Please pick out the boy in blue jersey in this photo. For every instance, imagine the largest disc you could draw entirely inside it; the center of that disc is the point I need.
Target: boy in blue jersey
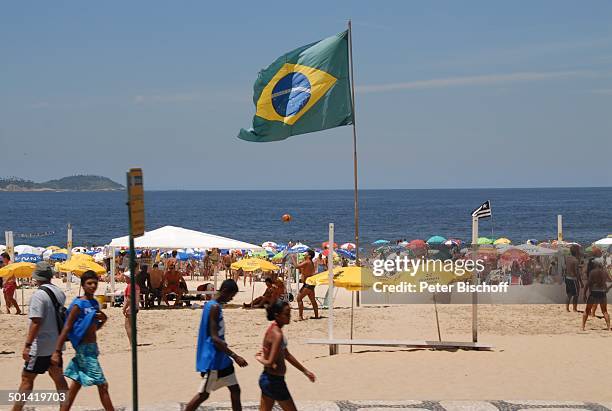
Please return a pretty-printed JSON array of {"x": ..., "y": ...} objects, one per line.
[{"x": 214, "y": 358}]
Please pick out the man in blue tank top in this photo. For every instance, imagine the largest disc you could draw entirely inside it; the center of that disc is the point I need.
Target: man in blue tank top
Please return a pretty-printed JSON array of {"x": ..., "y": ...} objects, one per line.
[{"x": 213, "y": 357}]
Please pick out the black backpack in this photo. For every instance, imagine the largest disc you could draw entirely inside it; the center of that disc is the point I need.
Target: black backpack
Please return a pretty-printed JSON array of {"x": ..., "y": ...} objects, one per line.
[{"x": 60, "y": 310}]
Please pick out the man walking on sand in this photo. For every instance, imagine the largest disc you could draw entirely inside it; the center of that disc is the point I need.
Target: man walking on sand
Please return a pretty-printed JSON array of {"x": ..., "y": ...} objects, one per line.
[
  {"x": 42, "y": 334},
  {"x": 572, "y": 278},
  {"x": 307, "y": 269},
  {"x": 213, "y": 357}
]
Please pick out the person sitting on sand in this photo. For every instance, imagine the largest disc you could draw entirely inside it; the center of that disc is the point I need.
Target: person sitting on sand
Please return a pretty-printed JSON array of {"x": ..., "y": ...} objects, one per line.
[
  {"x": 156, "y": 277},
  {"x": 143, "y": 280},
  {"x": 172, "y": 282},
  {"x": 307, "y": 270},
  {"x": 267, "y": 298},
  {"x": 127, "y": 307},
  {"x": 83, "y": 322},
  {"x": 598, "y": 288}
]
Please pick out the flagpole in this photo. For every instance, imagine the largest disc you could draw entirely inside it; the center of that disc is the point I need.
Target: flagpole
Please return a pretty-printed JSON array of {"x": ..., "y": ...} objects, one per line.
[{"x": 350, "y": 41}]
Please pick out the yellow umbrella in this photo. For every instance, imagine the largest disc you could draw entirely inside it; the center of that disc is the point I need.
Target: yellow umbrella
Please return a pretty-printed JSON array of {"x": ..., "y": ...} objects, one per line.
[
  {"x": 81, "y": 257},
  {"x": 254, "y": 264},
  {"x": 502, "y": 240},
  {"x": 52, "y": 248},
  {"x": 60, "y": 251},
  {"x": 79, "y": 266},
  {"x": 17, "y": 270},
  {"x": 351, "y": 278}
]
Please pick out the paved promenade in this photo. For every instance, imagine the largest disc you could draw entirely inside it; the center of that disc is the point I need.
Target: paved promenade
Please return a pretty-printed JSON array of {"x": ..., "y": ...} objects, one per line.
[{"x": 513, "y": 405}]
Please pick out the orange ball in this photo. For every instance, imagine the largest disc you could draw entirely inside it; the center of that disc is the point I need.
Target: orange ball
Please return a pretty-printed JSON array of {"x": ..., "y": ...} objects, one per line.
[{"x": 286, "y": 218}]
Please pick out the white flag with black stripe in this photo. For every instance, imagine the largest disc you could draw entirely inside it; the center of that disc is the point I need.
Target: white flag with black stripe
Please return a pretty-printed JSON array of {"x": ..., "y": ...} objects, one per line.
[{"x": 483, "y": 211}]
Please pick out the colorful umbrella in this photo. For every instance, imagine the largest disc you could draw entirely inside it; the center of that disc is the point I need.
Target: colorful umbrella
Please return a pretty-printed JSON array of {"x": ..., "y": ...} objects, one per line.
[
  {"x": 348, "y": 246},
  {"x": 17, "y": 270},
  {"x": 381, "y": 242},
  {"x": 436, "y": 239},
  {"x": 28, "y": 258},
  {"x": 254, "y": 264},
  {"x": 514, "y": 254},
  {"x": 351, "y": 278},
  {"x": 79, "y": 266},
  {"x": 417, "y": 244},
  {"x": 502, "y": 240},
  {"x": 484, "y": 240},
  {"x": 326, "y": 245},
  {"x": 270, "y": 244}
]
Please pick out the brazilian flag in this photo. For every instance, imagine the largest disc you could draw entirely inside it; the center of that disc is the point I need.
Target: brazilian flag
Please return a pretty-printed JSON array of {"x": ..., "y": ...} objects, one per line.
[{"x": 305, "y": 90}]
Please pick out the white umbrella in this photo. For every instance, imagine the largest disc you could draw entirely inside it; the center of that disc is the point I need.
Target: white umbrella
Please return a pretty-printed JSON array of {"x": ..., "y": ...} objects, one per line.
[
  {"x": 605, "y": 242},
  {"x": 269, "y": 244},
  {"x": 26, "y": 249}
]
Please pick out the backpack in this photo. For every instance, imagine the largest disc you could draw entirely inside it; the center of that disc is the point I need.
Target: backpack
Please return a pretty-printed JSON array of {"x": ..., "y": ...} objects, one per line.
[{"x": 60, "y": 310}]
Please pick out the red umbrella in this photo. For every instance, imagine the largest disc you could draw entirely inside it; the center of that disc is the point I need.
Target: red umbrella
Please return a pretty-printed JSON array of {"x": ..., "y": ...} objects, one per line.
[
  {"x": 326, "y": 245},
  {"x": 512, "y": 255},
  {"x": 417, "y": 244}
]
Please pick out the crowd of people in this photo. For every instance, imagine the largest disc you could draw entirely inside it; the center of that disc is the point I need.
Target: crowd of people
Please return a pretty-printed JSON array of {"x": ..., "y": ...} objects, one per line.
[{"x": 51, "y": 327}]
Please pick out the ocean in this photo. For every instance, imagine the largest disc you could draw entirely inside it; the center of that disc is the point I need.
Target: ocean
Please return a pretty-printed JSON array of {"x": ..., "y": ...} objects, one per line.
[{"x": 255, "y": 216}]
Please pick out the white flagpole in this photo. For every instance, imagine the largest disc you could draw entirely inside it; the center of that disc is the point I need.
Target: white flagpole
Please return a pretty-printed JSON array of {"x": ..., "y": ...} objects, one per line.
[
  {"x": 330, "y": 309},
  {"x": 559, "y": 227},
  {"x": 475, "y": 280},
  {"x": 69, "y": 255}
]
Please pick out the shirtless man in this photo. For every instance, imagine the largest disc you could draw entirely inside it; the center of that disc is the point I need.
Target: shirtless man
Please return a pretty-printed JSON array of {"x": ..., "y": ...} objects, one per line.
[
  {"x": 227, "y": 262},
  {"x": 172, "y": 281},
  {"x": 572, "y": 278},
  {"x": 307, "y": 269},
  {"x": 156, "y": 277},
  {"x": 598, "y": 289}
]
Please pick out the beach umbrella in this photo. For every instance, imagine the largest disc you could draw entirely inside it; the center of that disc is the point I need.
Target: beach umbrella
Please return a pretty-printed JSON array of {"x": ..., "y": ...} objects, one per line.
[
  {"x": 82, "y": 257},
  {"x": 484, "y": 240},
  {"x": 28, "y": 258},
  {"x": 604, "y": 242},
  {"x": 436, "y": 239},
  {"x": 417, "y": 244},
  {"x": 254, "y": 264},
  {"x": 532, "y": 241},
  {"x": 348, "y": 246},
  {"x": 279, "y": 256},
  {"x": 79, "y": 250},
  {"x": 326, "y": 245},
  {"x": 381, "y": 242},
  {"x": 58, "y": 257},
  {"x": 452, "y": 242},
  {"x": 299, "y": 248},
  {"x": 99, "y": 257},
  {"x": 52, "y": 248},
  {"x": 502, "y": 240},
  {"x": 2, "y": 248},
  {"x": 514, "y": 255},
  {"x": 26, "y": 249},
  {"x": 17, "y": 270},
  {"x": 352, "y": 278},
  {"x": 270, "y": 244},
  {"x": 346, "y": 254},
  {"x": 79, "y": 266}
]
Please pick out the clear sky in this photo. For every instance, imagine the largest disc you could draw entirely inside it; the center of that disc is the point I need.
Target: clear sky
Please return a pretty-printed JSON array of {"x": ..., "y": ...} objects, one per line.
[{"x": 449, "y": 93}]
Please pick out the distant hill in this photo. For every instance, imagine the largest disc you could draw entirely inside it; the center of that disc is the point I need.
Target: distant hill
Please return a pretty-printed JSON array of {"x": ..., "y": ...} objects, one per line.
[{"x": 72, "y": 183}]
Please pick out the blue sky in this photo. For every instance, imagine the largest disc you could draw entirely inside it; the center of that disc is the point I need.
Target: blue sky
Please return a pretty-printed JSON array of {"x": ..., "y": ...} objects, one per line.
[{"x": 449, "y": 94}]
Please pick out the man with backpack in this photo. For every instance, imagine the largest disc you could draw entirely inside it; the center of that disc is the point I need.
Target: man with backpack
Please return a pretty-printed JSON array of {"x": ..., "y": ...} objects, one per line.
[{"x": 46, "y": 315}]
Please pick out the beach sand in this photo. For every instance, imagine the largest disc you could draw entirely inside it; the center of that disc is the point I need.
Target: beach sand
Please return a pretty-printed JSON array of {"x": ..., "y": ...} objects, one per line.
[{"x": 539, "y": 353}]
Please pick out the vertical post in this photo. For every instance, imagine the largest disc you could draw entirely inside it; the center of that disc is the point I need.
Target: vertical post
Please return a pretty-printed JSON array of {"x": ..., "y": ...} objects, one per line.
[
  {"x": 10, "y": 245},
  {"x": 113, "y": 270},
  {"x": 69, "y": 256},
  {"x": 356, "y": 190},
  {"x": 133, "y": 301},
  {"x": 559, "y": 227},
  {"x": 475, "y": 280},
  {"x": 330, "y": 309}
]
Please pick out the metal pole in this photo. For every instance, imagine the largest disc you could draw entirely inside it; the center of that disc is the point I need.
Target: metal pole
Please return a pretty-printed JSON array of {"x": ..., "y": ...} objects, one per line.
[
  {"x": 559, "y": 227},
  {"x": 330, "y": 308},
  {"x": 69, "y": 256},
  {"x": 475, "y": 280},
  {"x": 356, "y": 190},
  {"x": 133, "y": 303}
]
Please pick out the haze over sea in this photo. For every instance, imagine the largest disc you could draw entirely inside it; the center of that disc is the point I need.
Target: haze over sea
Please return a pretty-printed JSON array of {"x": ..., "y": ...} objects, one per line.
[{"x": 255, "y": 216}]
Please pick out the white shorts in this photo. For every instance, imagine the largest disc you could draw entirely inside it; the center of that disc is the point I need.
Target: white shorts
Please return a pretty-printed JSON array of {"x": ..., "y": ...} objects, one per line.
[{"x": 215, "y": 379}]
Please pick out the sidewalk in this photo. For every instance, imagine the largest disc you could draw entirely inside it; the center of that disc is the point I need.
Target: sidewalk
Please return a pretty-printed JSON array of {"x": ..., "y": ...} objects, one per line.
[{"x": 513, "y": 405}]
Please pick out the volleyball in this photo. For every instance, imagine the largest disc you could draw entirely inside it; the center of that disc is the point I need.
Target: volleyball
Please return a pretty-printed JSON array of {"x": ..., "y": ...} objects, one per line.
[{"x": 286, "y": 218}]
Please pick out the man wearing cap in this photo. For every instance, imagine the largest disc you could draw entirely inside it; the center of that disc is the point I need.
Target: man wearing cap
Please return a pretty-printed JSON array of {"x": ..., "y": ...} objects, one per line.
[{"x": 43, "y": 332}]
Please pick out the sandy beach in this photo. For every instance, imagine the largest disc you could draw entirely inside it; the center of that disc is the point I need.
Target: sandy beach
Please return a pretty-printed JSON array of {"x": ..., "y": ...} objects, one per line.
[{"x": 539, "y": 353}]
